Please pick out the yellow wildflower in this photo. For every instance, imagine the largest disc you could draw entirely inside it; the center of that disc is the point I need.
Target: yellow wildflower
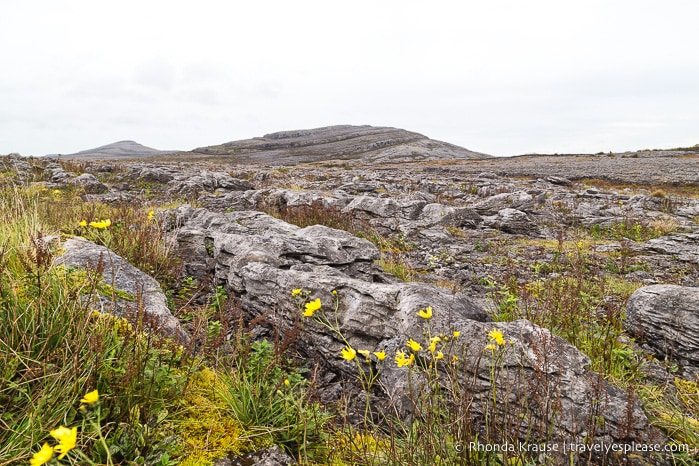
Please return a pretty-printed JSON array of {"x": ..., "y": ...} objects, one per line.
[
  {"x": 380, "y": 355},
  {"x": 286, "y": 382},
  {"x": 496, "y": 336},
  {"x": 454, "y": 358},
  {"x": 42, "y": 456},
  {"x": 425, "y": 313},
  {"x": 335, "y": 292},
  {"x": 490, "y": 347},
  {"x": 364, "y": 353},
  {"x": 101, "y": 225},
  {"x": 296, "y": 292},
  {"x": 312, "y": 307},
  {"x": 402, "y": 361},
  {"x": 83, "y": 223},
  {"x": 439, "y": 355},
  {"x": 67, "y": 438},
  {"x": 433, "y": 344},
  {"x": 457, "y": 334},
  {"x": 91, "y": 397},
  {"x": 151, "y": 214},
  {"x": 413, "y": 345},
  {"x": 348, "y": 353}
]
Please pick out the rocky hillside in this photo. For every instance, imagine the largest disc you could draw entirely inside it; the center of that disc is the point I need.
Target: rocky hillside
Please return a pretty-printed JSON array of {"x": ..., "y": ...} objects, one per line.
[
  {"x": 369, "y": 143},
  {"x": 118, "y": 150}
]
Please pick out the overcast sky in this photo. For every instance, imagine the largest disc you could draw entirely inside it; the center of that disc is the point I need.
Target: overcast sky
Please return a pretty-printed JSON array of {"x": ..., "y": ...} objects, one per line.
[{"x": 503, "y": 77}]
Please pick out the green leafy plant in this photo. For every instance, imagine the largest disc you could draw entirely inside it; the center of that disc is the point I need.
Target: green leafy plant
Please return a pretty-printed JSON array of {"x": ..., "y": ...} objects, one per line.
[{"x": 272, "y": 404}]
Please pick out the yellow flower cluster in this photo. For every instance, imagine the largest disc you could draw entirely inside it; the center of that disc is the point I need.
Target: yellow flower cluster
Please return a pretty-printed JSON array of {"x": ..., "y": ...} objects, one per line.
[
  {"x": 496, "y": 339},
  {"x": 349, "y": 353},
  {"x": 101, "y": 225},
  {"x": 496, "y": 336},
  {"x": 413, "y": 345},
  {"x": 311, "y": 307},
  {"x": 402, "y": 360},
  {"x": 67, "y": 438},
  {"x": 432, "y": 347}
]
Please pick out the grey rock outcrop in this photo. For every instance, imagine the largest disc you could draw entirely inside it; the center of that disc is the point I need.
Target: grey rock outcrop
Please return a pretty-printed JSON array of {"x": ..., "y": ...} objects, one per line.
[
  {"x": 56, "y": 173},
  {"x": 220, "y": 245},
  {"x": 261, "y": 259},
  {"x": 17, "y": 165},
  {"x": 559, "y": 180},
  {"x": 386, "y": 207},
  {"x": 685, "y": 246},
  {"x": 156, "y": 174},
  {"x": 119, "y": 274},
  {"x": 89, "y": 183},
  {"x": 491, "y": 205},
  {"x": 511, "y": 221},
  {"x": 666, "y": 319},
  {"x": 206, "y": 181},
  {"x": 111, "y": 197}
]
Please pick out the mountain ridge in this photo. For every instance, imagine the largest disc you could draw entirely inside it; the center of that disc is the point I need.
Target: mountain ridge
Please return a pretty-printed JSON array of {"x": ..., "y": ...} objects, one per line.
[
  {"x": 348, "y": 142},
  {"x": 344, "y": 142},
  {"x": 117, "y": 150}
]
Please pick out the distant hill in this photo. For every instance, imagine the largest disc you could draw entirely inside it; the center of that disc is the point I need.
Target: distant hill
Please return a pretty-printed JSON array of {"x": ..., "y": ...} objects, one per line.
[
  {"x": 344, "y": 142},
  {"x": 118, "y": 150}
]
